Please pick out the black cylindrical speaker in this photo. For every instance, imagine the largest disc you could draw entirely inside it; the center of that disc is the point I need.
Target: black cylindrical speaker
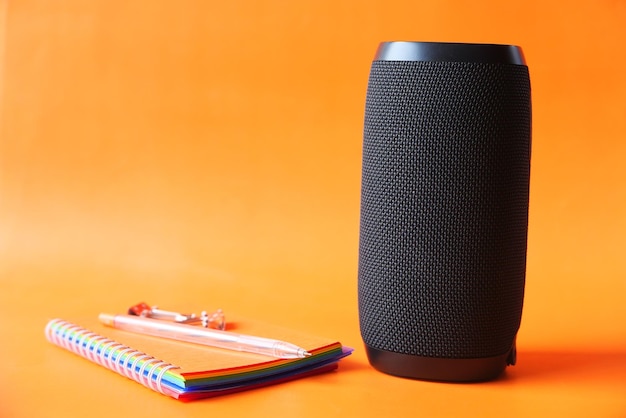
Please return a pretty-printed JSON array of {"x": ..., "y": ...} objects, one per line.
[{"x": 444, "y": 209}]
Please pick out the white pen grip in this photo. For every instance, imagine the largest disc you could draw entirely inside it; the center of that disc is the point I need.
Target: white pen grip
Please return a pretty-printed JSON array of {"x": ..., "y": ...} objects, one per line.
[{"x": 257, "y": 345}]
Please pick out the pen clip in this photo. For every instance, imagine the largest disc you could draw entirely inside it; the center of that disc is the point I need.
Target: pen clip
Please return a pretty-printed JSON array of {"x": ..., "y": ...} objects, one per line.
[{"x": 214, "y": 320}]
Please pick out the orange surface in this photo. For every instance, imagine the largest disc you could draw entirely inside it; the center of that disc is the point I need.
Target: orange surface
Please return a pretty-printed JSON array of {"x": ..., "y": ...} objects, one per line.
[{"x": 202, "y": 154}]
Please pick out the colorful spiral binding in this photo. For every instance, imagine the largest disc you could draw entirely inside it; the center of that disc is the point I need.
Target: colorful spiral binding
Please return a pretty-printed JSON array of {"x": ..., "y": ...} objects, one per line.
[{"x": 122, "y": 359}]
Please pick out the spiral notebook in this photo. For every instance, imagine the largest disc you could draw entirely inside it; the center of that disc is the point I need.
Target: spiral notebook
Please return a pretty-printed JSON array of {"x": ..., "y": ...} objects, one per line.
[{"x": 188, "y": 371}]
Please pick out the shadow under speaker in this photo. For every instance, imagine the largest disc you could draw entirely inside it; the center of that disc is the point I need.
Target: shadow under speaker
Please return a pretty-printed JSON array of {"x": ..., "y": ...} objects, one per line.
[{"x": 444, "y": 209}]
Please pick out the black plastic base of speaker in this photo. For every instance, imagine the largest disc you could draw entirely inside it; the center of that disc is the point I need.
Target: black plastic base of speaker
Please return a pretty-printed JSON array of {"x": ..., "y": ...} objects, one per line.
[{"x": 440, "y": 369}]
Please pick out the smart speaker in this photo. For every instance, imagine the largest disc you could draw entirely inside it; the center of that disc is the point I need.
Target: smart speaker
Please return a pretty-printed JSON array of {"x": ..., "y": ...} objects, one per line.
[{"x": 444, "y": 209}]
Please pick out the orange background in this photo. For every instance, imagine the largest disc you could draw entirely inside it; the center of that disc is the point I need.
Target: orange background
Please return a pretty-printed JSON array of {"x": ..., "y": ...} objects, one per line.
[{"x": 204, "y": 154}]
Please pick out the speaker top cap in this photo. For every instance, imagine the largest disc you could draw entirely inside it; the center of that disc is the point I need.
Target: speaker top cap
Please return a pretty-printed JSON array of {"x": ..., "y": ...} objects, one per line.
[{"x": 450, "y": 52}]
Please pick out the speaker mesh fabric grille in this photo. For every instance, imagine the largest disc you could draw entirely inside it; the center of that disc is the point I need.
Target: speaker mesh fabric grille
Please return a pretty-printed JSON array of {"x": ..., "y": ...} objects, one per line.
[{"x": 444, "y": 207}]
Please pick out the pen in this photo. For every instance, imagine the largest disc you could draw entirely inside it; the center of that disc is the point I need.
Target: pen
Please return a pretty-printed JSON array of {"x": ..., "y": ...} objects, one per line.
[{"x": 205, "y": 336}]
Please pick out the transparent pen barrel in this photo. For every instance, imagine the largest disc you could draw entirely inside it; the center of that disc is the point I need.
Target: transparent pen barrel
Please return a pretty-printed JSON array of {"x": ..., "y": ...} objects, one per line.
[{"x": 205, "y": 336}]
